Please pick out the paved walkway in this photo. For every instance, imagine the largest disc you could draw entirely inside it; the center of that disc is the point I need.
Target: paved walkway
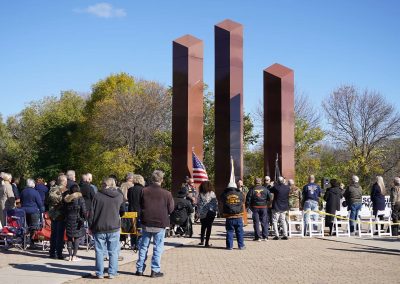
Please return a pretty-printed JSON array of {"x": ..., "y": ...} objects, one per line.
[{"x": 299, "y": 260}]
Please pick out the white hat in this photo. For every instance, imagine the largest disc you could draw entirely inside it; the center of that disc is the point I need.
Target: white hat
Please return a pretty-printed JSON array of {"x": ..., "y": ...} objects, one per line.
[{"x": 232, "y": 184}]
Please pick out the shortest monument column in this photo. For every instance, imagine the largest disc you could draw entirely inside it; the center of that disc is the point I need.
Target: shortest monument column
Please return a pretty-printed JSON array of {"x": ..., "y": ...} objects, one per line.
[
  {"x": 187, "y": 106},
  {"x": 279, "y": 120}
]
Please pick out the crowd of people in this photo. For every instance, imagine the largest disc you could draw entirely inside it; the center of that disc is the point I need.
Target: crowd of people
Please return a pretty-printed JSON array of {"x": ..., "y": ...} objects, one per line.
[{"x": 76, "y": 207}]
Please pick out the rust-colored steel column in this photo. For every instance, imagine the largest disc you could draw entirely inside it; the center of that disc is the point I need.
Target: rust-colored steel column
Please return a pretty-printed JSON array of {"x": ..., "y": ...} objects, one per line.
[
  {"x": 187, "y": 106},
  {"x": 228, "y": 101},
  {"x": 279, "y": 120}
]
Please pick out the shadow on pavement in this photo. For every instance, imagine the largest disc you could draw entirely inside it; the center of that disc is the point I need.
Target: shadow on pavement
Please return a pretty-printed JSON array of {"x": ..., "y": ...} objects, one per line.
[
  {"x": 48, "y": 268},
  {"x": 370, "y": 250}
]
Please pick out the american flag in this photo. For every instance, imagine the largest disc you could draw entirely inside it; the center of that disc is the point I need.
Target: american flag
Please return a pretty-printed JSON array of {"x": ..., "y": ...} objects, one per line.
[{"x": 199, "y": 171}]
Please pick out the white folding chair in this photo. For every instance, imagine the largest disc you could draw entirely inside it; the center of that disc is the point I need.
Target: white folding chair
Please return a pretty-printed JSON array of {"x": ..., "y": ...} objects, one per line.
[
  {"x": 296, "y": 221},
  {"x": 364, "y": 220},
  {"x": 386, "y": 220},
  {"x": 344, "y": 228},
  {"x": 316, "y": 221}
]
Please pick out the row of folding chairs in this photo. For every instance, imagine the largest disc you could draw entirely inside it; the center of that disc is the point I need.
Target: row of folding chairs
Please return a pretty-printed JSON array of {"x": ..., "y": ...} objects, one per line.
[{"x": 364, "y": 224}]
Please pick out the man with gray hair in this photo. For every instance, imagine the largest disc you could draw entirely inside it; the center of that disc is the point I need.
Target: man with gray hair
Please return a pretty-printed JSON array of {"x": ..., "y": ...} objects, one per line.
[
  {"x": 353, "y": 196},
  {"x": 104, "y": 222},
  {"x": 126, "y": 185},
  {"x": 311, "y": 194},
  {"x": 256, "y": 200},
  {"x": 56, "y": 213},
  {"x": 156, "y": 204},
  {"x": 71, "y": 178}
]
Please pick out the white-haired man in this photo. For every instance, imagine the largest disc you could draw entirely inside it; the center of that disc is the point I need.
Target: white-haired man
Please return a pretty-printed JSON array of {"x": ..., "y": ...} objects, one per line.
[
  {"x": 107, "y": 207},
  {"x": 156, "y": 205},
  {"x": 71, "y": 178},
  {"x": 353, "y": 196}
]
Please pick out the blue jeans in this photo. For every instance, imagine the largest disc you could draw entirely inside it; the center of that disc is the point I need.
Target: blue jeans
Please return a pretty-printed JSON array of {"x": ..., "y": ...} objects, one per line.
[
  {"x": 57, "y": 238},
  {"x": 107, "y": 242},
  {"x": 354, "y": 208},
  {"x": 158, "y": 248},
  {"x": 234, "y": 225},
  {"x": 260, "y": 215},
  {"x": 309, "y": 205}
]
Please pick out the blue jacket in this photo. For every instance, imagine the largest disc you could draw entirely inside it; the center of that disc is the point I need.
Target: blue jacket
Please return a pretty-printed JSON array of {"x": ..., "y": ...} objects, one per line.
[
  {"x": 43, "y": 190},
  {"x": 377, "y": 198},
  {"x": 31, "y": 201},
  {"x": 311, "y": 191}
]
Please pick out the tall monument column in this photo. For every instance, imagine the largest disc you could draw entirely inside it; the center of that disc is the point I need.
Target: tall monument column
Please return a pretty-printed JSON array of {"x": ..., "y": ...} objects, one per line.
[
  {"x": 187, "y": 106},
  {"x": 279, "y": 120},
  {"x": 228, "y": 101}
]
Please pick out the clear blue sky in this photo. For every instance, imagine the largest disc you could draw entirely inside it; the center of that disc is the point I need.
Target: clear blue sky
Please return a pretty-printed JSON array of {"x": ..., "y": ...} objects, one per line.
[{"x": 50, "y": 46}]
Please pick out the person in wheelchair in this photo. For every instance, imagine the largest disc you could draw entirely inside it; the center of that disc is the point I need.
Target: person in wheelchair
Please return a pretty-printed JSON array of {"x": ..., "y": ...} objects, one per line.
[{"x": 181, "y": 223}]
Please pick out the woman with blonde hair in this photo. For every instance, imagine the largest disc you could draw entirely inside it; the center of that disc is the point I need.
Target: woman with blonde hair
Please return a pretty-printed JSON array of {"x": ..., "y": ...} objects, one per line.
[
  {"x": 378, "y": 193},
  {"x": 133, "y": 195},
  {"x": 7, "y": 198}
]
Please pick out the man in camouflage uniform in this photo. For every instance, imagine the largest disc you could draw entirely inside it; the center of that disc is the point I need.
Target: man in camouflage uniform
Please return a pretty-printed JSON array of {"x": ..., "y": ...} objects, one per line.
[
  {"x": 294, "y": 200},
  {"x": 55, "y": 204}
]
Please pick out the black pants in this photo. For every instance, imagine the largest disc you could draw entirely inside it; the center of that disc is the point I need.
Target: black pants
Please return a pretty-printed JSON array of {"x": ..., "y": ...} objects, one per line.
[
  {"x": 206, "y": 225},
  {"x": 260, "y": 215},
  {"x": 396, "y": 218},
  {"x": 73, "y": 245}
]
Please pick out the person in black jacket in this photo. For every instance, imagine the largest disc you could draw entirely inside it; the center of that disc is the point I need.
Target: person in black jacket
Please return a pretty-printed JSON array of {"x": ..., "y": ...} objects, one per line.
[
  {"x": 87, "y": 192},
  {"x": 183, "y": 209},
  {"x": 280, "y": 206},
  {"x": 232, "y": 200},
  {"x": 332, "y": 196},
  {"x": 75, "y": 216},
  {"x": 256, "y": 200},
  {"x": 133, "y": 195}
]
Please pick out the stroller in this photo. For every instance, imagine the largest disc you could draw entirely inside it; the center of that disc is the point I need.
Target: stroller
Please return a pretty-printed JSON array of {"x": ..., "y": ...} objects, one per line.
[{"x": 16, "y": 232}]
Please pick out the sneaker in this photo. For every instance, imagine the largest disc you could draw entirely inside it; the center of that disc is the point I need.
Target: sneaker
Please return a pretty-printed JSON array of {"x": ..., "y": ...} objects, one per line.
[
  {"x": 75, "y": 259},
  {"x": 138, "y": 273},
  {"x": 276, "y": 238},
  {"x": 112, "y": 276},
  {"x": 256, "y": 240},
  {"x": 98, "y": 276},
  {"x": 208, "y": 245},
  {"x": 284, "y": 238},
  {"x": 265, "y": 239},
  {"x": 156, "y": 274},
  {"x": 201, "y": 244},
  {"x": 242, "y": 248},
  {"x": 229, "y": 248}
]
